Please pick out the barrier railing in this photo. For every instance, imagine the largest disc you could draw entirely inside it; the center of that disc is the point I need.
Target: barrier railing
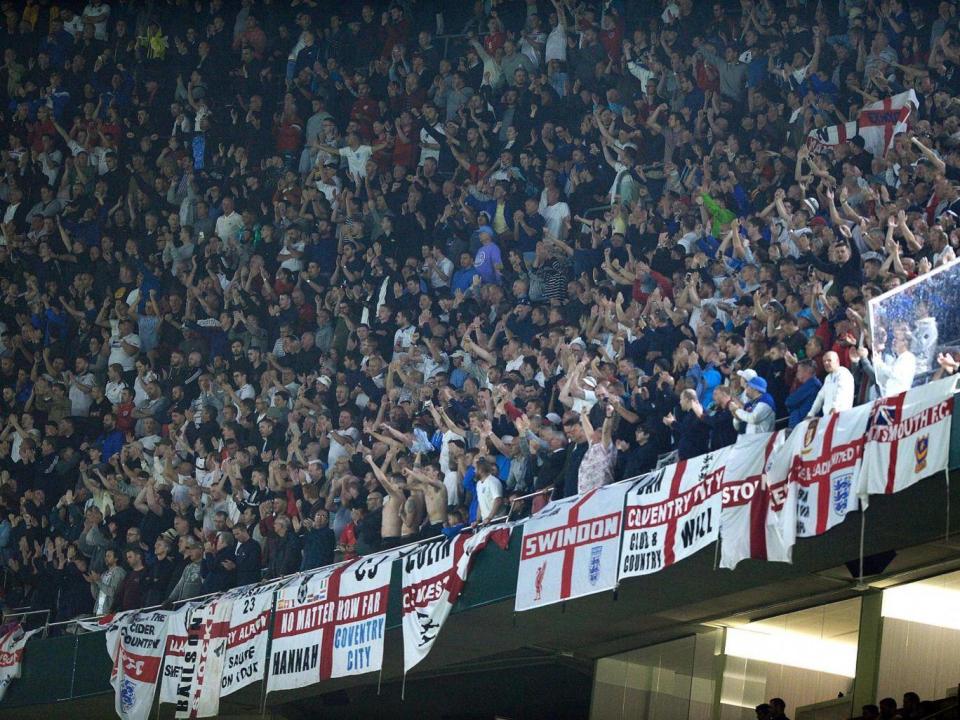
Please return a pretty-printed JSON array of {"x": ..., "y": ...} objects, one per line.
[{"x": 66, "y": 624}]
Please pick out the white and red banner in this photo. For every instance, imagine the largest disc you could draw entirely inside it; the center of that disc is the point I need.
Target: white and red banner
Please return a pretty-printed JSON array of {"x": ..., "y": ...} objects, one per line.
[
  {"x": 202, "y": 664},
  {"x": 176, "y": 643},
  {"x": 744, "y": 533},
  {"x": 135, "y": 643},
  {"x": 878, "y": 124},
  {"x": 246, "y": 658},
  {"x": 570, "y": 548},
  {"x": 672, "y": 513},
  {"x": 434, "y": 574},
  {"x": 907, "y": 438},
  {"x": 330, "y": 623},
  {"x": 814, "y": 476},
  {"x": 12, "y": 644}
]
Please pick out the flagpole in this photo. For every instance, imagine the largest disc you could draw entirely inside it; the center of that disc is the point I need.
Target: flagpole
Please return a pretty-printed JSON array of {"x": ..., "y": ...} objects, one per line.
[
  {"x": 863, "y": 533},
  {"x": 946, "y": 475},
  {"x": 269, "y": 650}
]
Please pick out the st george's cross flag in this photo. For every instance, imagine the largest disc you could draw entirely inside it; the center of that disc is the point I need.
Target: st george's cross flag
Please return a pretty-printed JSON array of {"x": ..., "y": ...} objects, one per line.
[
  {"x": 433, "y": 576},
  {"x": 12, "y": 644},
  {"x": 877, "y": 123},
  {"x": 672, "y": 513},
  {"x": 907, "y": 438},
  {"x": 330, "y": 623},
  {"x": 744, "y": 533},
  {"x": 570, "y": 548},
  {"x": 135, "y": 643},
  {"x": 814, "y": 477},
  {"x": 202, "y": 664}
]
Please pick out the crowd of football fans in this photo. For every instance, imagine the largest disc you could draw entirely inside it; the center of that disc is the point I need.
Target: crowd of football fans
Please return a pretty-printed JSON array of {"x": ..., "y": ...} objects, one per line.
[{"x": 288, "y": 282}]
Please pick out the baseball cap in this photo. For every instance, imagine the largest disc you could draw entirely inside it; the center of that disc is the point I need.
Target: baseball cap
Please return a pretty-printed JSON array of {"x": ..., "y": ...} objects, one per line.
[
  {"x": 758, "y": 383},
  {"x": 748, "y": 374}
]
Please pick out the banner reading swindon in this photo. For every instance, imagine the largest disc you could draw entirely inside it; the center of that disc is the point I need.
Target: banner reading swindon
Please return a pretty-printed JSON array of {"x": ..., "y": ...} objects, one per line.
[
  {"x": 570, "y": 548},
  {"x": 672, "y": 513},
  {"x": 434, "y": 574},
  {"x": 907, "y": 438},
  {"x": 330, "y": 623}
]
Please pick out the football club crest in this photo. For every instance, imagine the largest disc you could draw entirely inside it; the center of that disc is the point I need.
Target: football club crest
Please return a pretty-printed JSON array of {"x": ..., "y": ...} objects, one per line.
[
  {"x": 809, "y": 435},
  {"x": 920, "y": 451}
]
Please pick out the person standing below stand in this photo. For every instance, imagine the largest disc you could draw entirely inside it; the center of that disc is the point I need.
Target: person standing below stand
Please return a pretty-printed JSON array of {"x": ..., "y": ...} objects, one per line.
[{"x": 837, "y": 391}]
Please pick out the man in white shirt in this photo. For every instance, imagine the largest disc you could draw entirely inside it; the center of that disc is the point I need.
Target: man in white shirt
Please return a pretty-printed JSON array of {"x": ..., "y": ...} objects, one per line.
[
  {"x": 355, "y": 153},
  {"x": 343, "y": 440},
  {"x": 489, "y": 492},
  {"x": 230, "y": 222},
  {"x": 896, "y": 377},
  {"x": 837, "y": 391},
  {"x": 124, "y": 346},
  {"x": 554, "y": 213},
  {"x": 80, "y": 386},
  {"x": 97, "y": 13}
]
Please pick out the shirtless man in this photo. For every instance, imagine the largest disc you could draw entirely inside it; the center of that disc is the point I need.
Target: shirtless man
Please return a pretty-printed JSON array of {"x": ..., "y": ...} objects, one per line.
[
  {"x": 428, "y": 480},
  {"x": 392, "y": 504}
]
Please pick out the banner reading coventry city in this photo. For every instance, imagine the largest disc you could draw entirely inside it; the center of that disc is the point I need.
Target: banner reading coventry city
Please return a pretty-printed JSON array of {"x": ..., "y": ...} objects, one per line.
[
  {"x": 672, "y": 513},
  {"x": 330, "y": 623},
  {"x": 570, "y": 548}
]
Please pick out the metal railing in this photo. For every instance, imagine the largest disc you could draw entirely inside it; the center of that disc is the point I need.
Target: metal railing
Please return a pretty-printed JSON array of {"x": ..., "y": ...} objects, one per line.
[{"x": 507, "y": 517}]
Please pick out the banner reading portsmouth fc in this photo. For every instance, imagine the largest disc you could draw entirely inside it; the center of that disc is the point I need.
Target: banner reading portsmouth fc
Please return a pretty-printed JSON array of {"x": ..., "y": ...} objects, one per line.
[
  {"x": 672, "y": 513},
  {"x": 908, "y": 438},
  {"x": 330, "y": 623},
  {"x": 570, "y": 548},
  {"x": 434, "y": 574}
]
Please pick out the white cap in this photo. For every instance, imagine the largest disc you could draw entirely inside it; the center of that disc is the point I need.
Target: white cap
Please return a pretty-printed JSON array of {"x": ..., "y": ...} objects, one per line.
[{"x": 748, "y": 374}]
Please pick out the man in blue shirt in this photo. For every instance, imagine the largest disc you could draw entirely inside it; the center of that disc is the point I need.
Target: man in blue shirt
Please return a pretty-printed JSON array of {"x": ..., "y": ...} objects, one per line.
[
  {"x": 801, "y": 399},
  {"x": 487, "y": 260},
  {"x": 463, "y": 278}
]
